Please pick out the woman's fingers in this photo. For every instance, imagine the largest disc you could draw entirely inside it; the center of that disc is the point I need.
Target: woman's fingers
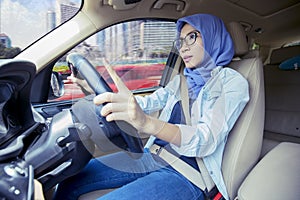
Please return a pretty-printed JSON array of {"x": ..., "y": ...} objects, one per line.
[
  {"x": 117, "y": 116},
  {"x": 123, "y": 116},
  {"x": 106, "y": 97},
  {"x": 113, "y": 74},
  {"x": 113, "y": 107},
  {"x": 122, "y": 109},
  {"x": 110, "y": 97},
  {"x": 121, "y": 106},
  {"x": 72, "y": 78},
  {"x": 115, "y": 102}
]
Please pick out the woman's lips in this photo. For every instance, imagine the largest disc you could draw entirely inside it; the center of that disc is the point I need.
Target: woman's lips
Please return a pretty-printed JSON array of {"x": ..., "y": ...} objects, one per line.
[{"x": 187, "y": 58}]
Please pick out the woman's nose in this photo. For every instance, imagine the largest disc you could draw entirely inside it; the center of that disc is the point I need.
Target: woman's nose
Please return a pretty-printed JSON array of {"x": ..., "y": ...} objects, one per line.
[{"x": 184, "y": 47}]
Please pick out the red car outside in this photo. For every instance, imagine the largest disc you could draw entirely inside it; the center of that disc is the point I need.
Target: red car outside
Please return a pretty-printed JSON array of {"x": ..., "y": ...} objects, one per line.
[{"x": 135, "y": 76}]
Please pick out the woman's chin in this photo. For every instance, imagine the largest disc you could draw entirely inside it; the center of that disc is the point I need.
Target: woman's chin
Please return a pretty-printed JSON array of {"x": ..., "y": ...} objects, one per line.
[{"x": 189, "y": 66}]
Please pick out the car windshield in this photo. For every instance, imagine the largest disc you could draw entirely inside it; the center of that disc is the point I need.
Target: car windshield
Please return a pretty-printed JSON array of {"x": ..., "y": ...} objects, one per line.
[{"x": 24, "y": 21}]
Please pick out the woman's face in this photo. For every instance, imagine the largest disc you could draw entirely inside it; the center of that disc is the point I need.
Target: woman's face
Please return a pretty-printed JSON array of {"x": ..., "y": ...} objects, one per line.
[{"x": 191, "y": 50}]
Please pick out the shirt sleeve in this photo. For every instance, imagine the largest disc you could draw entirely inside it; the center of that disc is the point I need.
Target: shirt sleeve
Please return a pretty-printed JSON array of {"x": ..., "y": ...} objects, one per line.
[
  {"x": 158, "y": 99},
  {"x": 152, "y": 103},
  {"x": 219, "y": 108}
]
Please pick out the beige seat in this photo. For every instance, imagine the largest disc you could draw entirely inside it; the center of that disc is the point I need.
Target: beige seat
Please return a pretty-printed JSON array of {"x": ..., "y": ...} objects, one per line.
[
  {"x": 282, "y": 91},
  {"x": 244, "y": 143},
  {"x": 276, "y": 176}
]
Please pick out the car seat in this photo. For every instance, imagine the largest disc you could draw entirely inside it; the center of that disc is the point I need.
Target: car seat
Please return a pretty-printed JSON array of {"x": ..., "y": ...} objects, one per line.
[
  {"x": 282, "y": 89},
  {"x": 244, "y": 142}
]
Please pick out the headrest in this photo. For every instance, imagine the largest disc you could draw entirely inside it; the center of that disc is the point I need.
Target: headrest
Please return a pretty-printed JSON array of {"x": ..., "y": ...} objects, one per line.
[
  {"x": 282, "y": 54},
  {"x": 239, "y": 38}
]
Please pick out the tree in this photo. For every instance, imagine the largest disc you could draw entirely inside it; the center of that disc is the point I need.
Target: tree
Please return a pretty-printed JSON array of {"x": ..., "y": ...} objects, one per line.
[
  {"x": 2, "y": 47},
  {"x": 8, "y": 52}
]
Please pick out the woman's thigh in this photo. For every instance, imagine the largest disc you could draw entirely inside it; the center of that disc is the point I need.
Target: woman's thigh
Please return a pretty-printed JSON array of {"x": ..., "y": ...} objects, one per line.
[
  {"x": 161, "y": 184},
  {"x": 111, "y": 171}
]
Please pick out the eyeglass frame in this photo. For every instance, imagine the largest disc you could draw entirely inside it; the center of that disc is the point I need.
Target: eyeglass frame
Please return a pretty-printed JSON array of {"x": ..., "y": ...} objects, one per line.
[{"x": 178, "y": 47}]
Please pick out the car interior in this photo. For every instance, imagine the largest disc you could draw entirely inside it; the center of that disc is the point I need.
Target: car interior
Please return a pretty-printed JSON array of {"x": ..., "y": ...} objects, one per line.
[{"x": 261, "y": 158}]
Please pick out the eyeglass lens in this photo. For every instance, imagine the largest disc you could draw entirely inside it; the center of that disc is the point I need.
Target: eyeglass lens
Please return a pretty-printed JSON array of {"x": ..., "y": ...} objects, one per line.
[{"x": 189, "y": 39}]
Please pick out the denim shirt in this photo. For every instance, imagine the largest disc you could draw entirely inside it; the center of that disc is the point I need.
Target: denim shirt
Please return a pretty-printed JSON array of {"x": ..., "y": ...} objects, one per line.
[{"x": 213, "y": 114}]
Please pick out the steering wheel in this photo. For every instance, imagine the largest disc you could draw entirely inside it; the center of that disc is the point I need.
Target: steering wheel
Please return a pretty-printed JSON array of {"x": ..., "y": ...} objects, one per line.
[{"x": 131, "y": 141}]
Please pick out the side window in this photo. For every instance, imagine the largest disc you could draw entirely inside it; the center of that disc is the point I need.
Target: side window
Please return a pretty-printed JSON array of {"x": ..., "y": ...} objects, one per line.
[{"x": 137, "y": 50}]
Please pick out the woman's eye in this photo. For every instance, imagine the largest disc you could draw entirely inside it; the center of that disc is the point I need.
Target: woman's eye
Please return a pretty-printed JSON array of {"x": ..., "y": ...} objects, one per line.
[{"x": 191, "y": 37}]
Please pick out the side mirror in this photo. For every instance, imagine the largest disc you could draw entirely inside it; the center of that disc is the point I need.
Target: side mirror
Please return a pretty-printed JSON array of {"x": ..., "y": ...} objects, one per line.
[{"x": 57, "y": 88}]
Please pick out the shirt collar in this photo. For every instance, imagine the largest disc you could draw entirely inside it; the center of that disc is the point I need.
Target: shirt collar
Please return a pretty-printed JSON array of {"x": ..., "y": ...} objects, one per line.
[{"x": 216, "y": 70}]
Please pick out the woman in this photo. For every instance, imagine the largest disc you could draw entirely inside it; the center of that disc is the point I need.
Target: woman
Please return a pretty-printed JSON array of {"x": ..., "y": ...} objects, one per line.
[{"x": 217, "y": 96}]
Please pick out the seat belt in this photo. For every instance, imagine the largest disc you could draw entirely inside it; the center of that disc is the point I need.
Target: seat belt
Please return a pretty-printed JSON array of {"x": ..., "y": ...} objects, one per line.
[
  {"x": 201, "y": 180},
  {"x": 179, "y": 165},
  {"x": 186, "y": 110}
]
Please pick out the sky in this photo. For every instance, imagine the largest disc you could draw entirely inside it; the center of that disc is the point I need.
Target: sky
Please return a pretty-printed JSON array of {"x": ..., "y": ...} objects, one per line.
[{"x": 24, "y": 21}]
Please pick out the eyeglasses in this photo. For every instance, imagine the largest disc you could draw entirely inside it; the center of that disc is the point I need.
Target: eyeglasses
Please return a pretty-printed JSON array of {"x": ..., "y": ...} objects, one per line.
[{"x": 189, "y": 40}]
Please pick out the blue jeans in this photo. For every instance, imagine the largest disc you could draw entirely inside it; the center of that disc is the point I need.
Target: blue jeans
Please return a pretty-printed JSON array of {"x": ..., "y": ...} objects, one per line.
[{"x": 145, "y": 178}]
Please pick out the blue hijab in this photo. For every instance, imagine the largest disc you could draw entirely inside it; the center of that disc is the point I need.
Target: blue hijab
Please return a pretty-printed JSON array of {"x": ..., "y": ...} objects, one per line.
[{"x": 218, "y": 46}]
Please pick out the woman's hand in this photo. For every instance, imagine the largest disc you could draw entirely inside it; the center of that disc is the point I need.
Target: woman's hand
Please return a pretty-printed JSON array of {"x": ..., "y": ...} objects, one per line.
[
  {"x": 82, "y": 83},
  {"x": 121, "y": 105}
]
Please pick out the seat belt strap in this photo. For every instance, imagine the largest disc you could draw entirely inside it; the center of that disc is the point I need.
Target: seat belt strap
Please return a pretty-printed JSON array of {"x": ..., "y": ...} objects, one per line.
[
  {"x": 185, "y": 100},
  {"x": 201, "y": 180},
  {"x": 205, "y": 175},
  {"x": 179, "y": 165},
  {"x": 186, "y": 110}
]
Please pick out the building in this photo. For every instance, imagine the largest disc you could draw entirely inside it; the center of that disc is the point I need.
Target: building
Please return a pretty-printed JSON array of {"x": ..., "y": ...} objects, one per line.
[
  {"x": 157, "y": 37},
  {"x": 65, "y": 10},
  {"x": 51, "y": 20},
  {"x": 137, "y": 39},
  {"x": 5, "y": 40}
]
